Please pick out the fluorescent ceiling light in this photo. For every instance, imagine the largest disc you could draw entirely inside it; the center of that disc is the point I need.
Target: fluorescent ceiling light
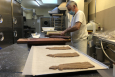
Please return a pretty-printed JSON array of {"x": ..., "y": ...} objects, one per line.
[
  {"x": 50, "y": 1},
  {"x": 37, "y": 2}
]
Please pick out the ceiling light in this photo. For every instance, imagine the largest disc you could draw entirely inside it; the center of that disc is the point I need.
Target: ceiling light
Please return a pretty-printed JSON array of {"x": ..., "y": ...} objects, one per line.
[
  {"x": 50, "y": 1},
  {"x": 37, "y": 2}
]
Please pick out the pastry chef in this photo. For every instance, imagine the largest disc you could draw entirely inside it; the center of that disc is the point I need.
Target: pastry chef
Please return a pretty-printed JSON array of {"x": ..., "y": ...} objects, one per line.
[{"x": 78, "y": 27}]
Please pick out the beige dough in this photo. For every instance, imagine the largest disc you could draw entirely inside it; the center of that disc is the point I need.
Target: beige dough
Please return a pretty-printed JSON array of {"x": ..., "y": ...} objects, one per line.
[
  {"x": 58, "y": 48},
  {"x": 64, "y": 55},
  {"x": 77, "y": 65}
]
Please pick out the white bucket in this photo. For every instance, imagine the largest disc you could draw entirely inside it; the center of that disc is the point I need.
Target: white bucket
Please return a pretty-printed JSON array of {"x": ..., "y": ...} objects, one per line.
[{"x": 114, "y": 70}]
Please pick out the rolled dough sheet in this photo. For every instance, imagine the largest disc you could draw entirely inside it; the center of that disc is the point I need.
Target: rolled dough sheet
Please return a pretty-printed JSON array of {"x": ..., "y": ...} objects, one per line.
[
  {"x": 77, "y": 65},
  {"x": 64, "y": 55},
  {"x": 58, "y": 48}
]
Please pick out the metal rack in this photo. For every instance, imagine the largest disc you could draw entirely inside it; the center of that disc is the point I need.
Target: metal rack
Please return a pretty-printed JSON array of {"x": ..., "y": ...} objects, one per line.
[{"x": 57, "y": 21}]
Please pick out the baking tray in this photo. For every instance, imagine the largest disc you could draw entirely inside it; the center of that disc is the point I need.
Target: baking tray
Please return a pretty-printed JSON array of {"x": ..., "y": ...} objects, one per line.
[{"x": 38, "y": 63}]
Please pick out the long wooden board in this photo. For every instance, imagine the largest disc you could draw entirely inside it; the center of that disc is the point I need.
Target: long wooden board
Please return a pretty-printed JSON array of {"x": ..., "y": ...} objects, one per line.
[
  {"x": 45, "y": 41},
  {"x": 65, "y": 37}
]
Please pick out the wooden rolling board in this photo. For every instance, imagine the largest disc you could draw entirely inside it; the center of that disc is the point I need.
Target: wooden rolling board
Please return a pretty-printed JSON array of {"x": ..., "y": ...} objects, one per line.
[
  {"x": 64, "y": 37},
  {"x": 22, "y": 40},
  {"x": 54, "y": 34},
  {"x": 44, "y": 41}
]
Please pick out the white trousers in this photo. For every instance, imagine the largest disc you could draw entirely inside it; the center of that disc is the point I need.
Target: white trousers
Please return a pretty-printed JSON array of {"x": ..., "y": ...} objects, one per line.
[{"x": 81, "y": 45}]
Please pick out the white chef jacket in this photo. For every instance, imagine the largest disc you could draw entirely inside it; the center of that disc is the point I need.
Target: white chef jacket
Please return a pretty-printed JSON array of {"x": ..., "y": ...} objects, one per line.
[{"x": 82, "y": 32}]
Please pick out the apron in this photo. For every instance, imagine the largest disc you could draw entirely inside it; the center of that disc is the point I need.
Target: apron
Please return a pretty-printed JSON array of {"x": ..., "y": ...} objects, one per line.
[{"x": 81, "y": 45}]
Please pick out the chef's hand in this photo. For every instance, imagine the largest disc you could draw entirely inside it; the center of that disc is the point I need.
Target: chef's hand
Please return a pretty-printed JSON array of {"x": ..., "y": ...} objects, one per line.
[{"x": 63, "y": 33}]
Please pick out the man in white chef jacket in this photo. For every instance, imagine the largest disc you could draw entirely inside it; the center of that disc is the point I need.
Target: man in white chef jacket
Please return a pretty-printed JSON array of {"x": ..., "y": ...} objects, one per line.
[{"x": 78, "y": 27}]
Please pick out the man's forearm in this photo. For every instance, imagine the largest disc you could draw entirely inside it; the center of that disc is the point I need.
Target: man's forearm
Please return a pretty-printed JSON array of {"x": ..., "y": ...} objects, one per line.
[{"x": 71, "y": 29}]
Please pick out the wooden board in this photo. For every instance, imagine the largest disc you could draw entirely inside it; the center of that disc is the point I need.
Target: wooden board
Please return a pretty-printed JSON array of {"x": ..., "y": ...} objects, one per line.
[
  {"x": 44, "y": 41},
  {"x": 53, "y": 34},
  {"x": 65, "y": 37},
  {"x": 49, "y": 32}
]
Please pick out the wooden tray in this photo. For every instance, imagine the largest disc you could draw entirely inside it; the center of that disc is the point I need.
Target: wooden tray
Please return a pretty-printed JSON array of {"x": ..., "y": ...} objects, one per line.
[
  {"x": 64, "y": 37},
  {"x": 53, "y": 34},
  {"x": 43, "y": 41}
]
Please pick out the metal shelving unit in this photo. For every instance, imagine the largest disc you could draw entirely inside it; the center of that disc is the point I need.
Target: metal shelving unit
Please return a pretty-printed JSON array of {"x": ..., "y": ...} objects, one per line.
[{"x": 57, "y": 21}]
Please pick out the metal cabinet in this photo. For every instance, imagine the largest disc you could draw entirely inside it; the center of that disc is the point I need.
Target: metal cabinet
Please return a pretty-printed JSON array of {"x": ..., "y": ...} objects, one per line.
[
  {"x": 5, "y": 6},
  {"x": 17, "y": 28},
  {"x": 17, "y": 34},
  {"x": 9, "y": 31},
  {"x": 6, "y": 34},
  {"x": 17, "y": 21},
  {"x": 6, "y": 37},
  {"x": 16, "y": 8},
  {"x": 7, "y": 20}
]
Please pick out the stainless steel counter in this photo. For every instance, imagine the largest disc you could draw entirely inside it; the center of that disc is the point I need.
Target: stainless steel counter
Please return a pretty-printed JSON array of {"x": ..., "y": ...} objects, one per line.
[{"x": 110, "y": 41}]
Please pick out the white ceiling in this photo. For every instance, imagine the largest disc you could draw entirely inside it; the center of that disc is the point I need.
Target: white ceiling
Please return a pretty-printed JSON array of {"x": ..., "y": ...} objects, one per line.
[{"x": 32, "y": 4}]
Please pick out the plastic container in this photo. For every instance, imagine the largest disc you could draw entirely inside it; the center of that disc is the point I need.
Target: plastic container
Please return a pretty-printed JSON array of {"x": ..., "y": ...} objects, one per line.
[
  {"x": 35, "y": 35},
  {"x": 114, "y": 70},
  {"x": 94, "y": 27}
]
